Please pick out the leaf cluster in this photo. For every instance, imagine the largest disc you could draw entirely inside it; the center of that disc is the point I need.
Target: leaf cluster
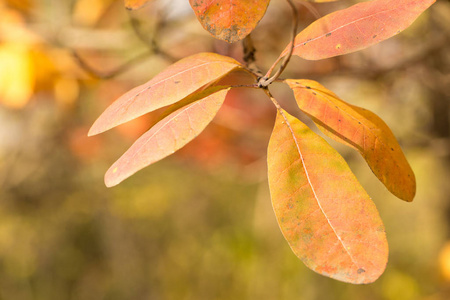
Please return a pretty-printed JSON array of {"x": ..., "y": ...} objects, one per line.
[{"x": 328, "y": 219}]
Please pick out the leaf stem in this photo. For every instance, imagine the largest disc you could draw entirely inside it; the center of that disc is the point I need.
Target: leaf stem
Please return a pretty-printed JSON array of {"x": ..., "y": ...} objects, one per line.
[
  {"x": 149, "y": 42},
  {"x": 266, "y": 81},
  {"x": 274, "y": 101}
]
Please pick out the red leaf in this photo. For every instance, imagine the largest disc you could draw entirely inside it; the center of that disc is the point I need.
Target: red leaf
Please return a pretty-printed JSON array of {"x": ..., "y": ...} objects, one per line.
[
  {"x": 356, "y": 27},
  {"x": 360, "y": 129},
  {"x": 166, "y": 137},
  {"x": 229, "y": 20},
  {"x": 325, "y": 215},
  {"x": 173, "y": 84}
]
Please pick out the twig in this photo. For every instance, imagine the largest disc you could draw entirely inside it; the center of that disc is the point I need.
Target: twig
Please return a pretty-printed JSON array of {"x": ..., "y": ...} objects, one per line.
[
  {"x": 150, "y": 42},
  {"x": 266, "y": 81},
  {"x": 373, "y": 72},
  {"x": 432, "y": 48},
  {"x": 274, "y": 101},
  {"x": 107, "y": 75},
  {"x": 311, "y": 9}
]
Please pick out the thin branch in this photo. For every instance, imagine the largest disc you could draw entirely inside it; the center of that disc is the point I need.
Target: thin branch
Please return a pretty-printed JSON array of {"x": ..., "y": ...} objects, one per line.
[
  {"x": 372, "y": 72},
  {"x": 110, "y": 74},
  {"x": 432, "y": 48},
  {"x": 311, "y": 9},
  {"x": 274, "y": 101},
  {"x": 149, "y": 42},
  {"x": 264, "y": 82}
]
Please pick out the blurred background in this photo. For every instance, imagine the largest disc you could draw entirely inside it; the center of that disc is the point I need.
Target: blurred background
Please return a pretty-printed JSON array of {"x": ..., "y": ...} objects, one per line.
[{"x": 199, "y": 224}]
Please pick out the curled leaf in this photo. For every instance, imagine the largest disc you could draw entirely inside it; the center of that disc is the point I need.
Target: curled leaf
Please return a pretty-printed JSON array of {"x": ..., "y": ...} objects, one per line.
[
  {"x": 166, "y": 137},
  {"x": 360, "y": 129},
  {"x": 357, "y": 27},
  {"x": 229, "y": 20},
  {"x": 171, "y": 85},
  {"x": 325, "y": 215}
]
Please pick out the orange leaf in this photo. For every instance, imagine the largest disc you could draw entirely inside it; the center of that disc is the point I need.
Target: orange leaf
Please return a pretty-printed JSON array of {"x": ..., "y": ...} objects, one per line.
[
  {"x": 237, "y": 77},
  {"x": 325, "y": 215},
  {"x": 229, "y": 20},
  {"x": 356, "y": 27},
  {"x": 173, "y": 84},
  {"x": 135, "y": 4},
  {"x": 360, "y": 129},
  {"x": 166, "y": 137}
]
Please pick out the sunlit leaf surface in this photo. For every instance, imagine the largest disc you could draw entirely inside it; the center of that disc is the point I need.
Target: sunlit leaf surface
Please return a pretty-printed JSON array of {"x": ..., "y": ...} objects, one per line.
[
  {"x": 166, "y": 137},
  {"x": 356, "y": 27},
  {"x": 171, "y": 85},
  {"x": 325, "y": 215},
  {"x": 229, "y": 20},
  {"x": 360, "y": 129}
]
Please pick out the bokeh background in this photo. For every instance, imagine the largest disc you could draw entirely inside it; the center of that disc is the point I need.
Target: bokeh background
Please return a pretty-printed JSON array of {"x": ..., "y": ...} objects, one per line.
[{"x": 199, "y": 224}]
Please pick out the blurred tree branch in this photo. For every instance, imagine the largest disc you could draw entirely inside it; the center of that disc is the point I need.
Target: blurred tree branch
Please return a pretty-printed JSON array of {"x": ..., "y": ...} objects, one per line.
[{"x": 108, "y": 74}]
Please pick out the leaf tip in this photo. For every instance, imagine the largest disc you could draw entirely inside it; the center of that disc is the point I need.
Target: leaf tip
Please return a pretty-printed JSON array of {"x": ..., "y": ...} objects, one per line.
[
  {"x": 112, "y": 177},
  {"x": 92, "y": 131},
  {"x": 407, "y": 190},
  {"x": 409, "y": 197},
  {"x": 97, "y": 127}
]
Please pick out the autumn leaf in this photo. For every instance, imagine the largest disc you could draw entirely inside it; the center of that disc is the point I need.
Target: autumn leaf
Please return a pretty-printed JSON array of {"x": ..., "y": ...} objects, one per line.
[
  {"x": 166, "y": 137},
  {"x": 360, "y": 129},
  {"x": 173, "y": 84},
  {"x": 328, "y": 219},
  {"x": 135, "y": 4},
  {"x": 356, "y": 27},
  {"x": 237, "y": 77},
  {"x": 229, "y": 20}
]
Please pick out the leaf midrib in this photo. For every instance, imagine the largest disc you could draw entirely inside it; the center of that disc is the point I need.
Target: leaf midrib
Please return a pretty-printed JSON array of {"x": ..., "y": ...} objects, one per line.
[
  {"x": 177, "y": 74},
  {"x": 313, "y": 190},
  {"x": 342, "y": 26}
]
